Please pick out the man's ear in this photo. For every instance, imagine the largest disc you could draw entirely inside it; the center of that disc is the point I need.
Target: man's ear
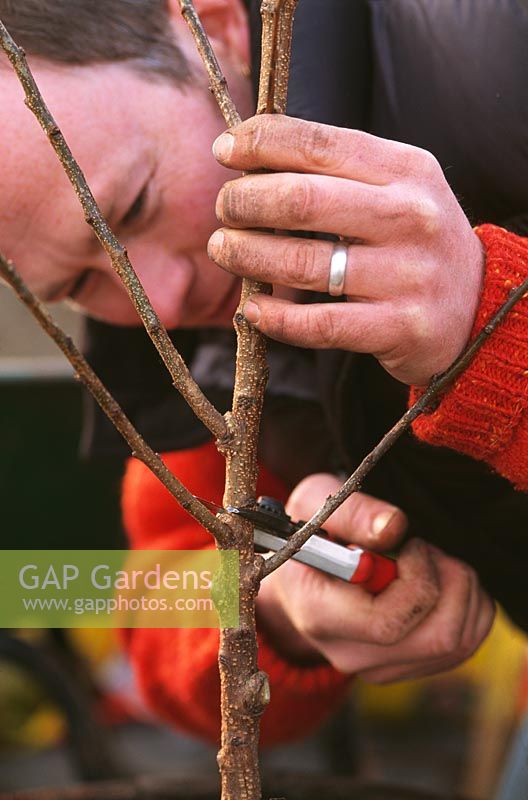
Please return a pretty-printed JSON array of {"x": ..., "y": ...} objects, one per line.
[{"x": 225, "y": 22}]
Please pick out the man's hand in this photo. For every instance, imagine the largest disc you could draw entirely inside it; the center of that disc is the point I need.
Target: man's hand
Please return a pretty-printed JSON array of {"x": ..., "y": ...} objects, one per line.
[
  {"x": 433, "y": 617},
  {"x": 415, "y": 266}
]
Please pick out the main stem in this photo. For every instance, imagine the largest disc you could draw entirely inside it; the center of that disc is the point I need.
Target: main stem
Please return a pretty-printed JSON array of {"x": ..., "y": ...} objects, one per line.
[{"x": 245, "y": 690}]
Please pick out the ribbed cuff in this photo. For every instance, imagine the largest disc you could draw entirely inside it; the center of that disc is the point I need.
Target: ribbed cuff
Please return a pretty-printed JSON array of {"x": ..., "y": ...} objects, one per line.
[{"x": 480, "y": 415}]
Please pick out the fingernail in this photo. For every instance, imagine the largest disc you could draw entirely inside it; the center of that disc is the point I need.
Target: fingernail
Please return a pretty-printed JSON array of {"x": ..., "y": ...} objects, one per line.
[
  {"x": 381, "y": 522},
  {"x": 223, "y": 147},
  {"x": 215, "y": 245},
  {"x": 251, "y": 312},
  {"x": 219, "y": 208}
]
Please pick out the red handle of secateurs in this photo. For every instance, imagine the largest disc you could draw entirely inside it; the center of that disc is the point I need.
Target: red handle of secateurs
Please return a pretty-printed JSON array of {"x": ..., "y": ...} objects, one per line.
[{"x": 374, "y": 572}]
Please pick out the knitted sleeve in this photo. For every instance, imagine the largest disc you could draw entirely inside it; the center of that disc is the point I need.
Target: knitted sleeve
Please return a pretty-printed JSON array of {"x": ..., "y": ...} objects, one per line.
[
  {"x": 485, "y": 414},
  {"x": 177, "y": 669}
]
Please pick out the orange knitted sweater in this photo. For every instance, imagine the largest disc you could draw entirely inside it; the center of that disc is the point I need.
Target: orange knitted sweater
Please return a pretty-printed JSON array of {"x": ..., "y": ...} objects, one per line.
[
  {"x": 177, "y": 669},
  {"x": 484, "y": 415}
]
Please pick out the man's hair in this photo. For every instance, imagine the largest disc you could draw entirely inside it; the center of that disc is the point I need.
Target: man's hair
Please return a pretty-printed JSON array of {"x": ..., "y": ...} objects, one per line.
[{"x": 137, "y": 32}]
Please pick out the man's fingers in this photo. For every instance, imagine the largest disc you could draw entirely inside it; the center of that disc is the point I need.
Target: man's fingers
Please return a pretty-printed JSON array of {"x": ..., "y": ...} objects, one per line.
[
  {"x": 457, "y": 587},
  {"x": 362, "y": 327},
  {"x": 335, "y": 616},
  {"x": 407, "y": 672},
  {"x": 486, "y": 617},
  {"x": 361, "y": 520},
  {"x": 345, "y": 613},
  {"x": 290, "y": 201},
  {"x": 450, "y": 635},
  {"x": 480, "y": 620},
  {"x": 389, "y": 331},
  {"x": 423, "y": 667},
  {"x": 283, "y": 144},
  {"x": 305, "y": 264},
  {"x": 367, "y": 522},
  {"x": 402, "y": 606},
  {"x": 441, "y": 635}
]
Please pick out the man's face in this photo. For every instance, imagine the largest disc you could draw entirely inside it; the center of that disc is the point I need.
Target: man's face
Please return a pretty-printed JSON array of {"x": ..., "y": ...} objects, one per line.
[{"x": 145, "y": 148}]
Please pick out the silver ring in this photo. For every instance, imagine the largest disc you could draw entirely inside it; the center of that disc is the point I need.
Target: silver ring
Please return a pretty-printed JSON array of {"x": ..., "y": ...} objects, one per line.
[{"x": 338, "y": 266}]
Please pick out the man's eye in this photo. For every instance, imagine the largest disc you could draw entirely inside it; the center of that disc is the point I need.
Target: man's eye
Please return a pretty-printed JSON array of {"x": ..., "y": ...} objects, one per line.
[
  {"x": 79, "y": 284},
  {"x": 136, "y": 208}
]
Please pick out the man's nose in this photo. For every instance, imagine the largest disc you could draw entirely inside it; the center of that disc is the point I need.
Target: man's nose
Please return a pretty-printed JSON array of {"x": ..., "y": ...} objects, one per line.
[{"x": 166, "y": 280}]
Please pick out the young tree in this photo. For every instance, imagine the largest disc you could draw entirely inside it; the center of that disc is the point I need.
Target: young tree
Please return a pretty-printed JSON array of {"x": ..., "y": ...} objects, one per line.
[{"x": 244, "y": 689}]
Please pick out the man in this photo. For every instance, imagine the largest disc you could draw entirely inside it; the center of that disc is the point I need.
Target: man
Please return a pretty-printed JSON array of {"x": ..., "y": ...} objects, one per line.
[{"x": 136, "y": 112}]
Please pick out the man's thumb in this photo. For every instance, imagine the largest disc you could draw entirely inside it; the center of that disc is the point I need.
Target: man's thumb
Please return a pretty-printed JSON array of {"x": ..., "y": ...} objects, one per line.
[{"x": 362, "y": 520}]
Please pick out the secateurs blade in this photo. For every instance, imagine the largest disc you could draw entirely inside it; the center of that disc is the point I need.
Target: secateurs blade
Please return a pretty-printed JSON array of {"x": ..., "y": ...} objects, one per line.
[{"x": 273, "y": 527}]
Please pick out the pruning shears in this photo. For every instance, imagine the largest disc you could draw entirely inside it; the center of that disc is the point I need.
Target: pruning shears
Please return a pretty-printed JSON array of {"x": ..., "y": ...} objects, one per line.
[{"x": 273, "y": 527}]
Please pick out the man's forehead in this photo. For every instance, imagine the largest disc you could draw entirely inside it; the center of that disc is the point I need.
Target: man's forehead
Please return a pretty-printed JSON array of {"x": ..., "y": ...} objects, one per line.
[
  {"x": 34, "y": 186},
  {"x": 79, "y": 99}
]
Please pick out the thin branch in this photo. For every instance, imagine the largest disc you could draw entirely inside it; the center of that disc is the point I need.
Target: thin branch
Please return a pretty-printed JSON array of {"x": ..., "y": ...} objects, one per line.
[
  {"x": 277, "y": 22},
  {"x": 112, "y": 409},
  {"x": 429, "y": 400},
  {"x": 251, "y": 366},
  {"x": 176, "y": 366},
  {"x": 277, "y": 28},
  {"x": 268, "y": 12},
  {"x": 283, "y": 57},
  {"x": 218, "y": 82}
]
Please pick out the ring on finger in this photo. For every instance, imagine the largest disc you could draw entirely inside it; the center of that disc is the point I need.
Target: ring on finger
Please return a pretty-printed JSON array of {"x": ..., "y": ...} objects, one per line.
[{"x": 338, "y": 267}]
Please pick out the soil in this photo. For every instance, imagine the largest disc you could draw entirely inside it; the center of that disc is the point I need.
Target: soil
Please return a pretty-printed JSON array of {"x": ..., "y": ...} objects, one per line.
[{"x": 277, "y": 787}]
